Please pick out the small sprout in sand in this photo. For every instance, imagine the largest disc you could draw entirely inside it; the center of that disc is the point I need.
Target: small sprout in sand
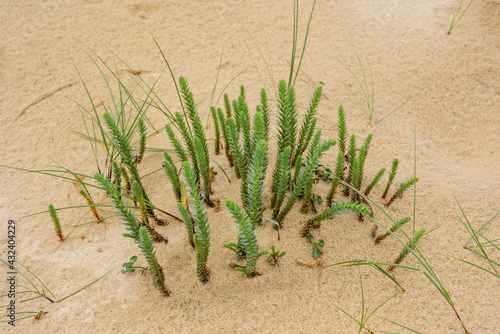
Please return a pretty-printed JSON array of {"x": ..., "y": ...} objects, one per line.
[
  {"x": 247, "y": 239},
  {"x": 147, "y": 247},
  {"x": 130, "y": 268},
  {"x": 394, "y": 227},
  {"x": 394, "y": 169},
  {"x": 409, "y": 246},
  {"x": 317, "y": 246},
  {"x": 92, "y": 207},
  {"x": 142, "y": 140},
  {"x": 274, "y": 257},
  {"x": 55, "y": 219},
  {"x": 401, "y": 189},
  {"x": 374, "y": 182}
]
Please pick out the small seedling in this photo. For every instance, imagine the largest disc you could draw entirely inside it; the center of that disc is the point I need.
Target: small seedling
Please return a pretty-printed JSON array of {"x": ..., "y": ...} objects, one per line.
[
  {"x": 394, "y": 169},
  {"x": 393, "y": 229},
  {"x": 401, "y": 189},
  {"x": 130, "y": 268},
  {"x": 247, "y": 239},
  {"x": 317, "y": 246},
  {"x": 409, "y": 246},
  {"x": 274, "y": 257},
  {"x": 55, "y": 219},
  {"x": 147, "y": 247}
]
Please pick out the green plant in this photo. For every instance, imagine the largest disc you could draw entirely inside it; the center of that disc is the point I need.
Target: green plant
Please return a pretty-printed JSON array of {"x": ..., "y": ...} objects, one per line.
[
  {"x": 332, "y": 211},
  {"x": 457, "y": 15},
  {"x": 274, "y": 256},
  {"x": 124, "y": 211},
  {"x": 392, "y": 175},
  {"x": 247, "y": 239},
  {"x": 393, "y": 229},
  {"x": 147, "y": 247},
  {"x": 122, "y": 145},
  {"x": 91, "y": 203},
  {"x": 130, "y": 268},
  {"x": 339, "y": 171},
  {"x": 55, "y": 220},
  {"x": 374, "y": 182},
  {"x": 201, "y": 227},
  {"x": 142, "y": 140},
  {"x": 317, "y": 246},
  {"x": 401, "y": 189},
  {"x": 281, "y": 180},
  {"x": 316, "y": 150},
  {"x": 409, "y": 246},
  {"x": 217, "y": 144},
  {"x": 253, "y": 198},
  {"x": 194, "y": 138}
]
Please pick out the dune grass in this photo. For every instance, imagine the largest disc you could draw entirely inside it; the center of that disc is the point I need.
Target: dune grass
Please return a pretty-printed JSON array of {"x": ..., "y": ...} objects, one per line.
[
  {"x": 366, "y": 84},
  {"x": 457, "y": 15}
]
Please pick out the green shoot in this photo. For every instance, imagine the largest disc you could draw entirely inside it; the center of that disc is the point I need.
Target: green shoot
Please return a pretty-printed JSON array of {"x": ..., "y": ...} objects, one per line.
[
  {"x": 202, "y": 227},
  {"x": 281, "y": 179},
  {"x": 374, "y": 182},
  {"x": 55, "y": 220},
  {"x": 142, "y": 140},
  {"x": 392, "y": 175},
  {"x": 217, "y": 131},
  {"x": 409, "y": 246},
  {"x": 92, "y": 207},
  {"x": 253, "y": 199},
  {"x": 351, "y": 155},
  {"x": 317, "y": 246},
  {"x": 316, "y": 150},
  {"x": 171, "y": 171},
  {"x": 247, "y": 239},
  {"x": 308, "y": 124},
  {"x": 147, "y": 247},
  {"x": 130, "y": 268},
  {"x": 124, "y": 212},
  {"x": 393, "y": 229},
  {"x": 401, "y": 189},
  {"x": 275, "y": 256},
  {"x": 339, "y": 168},
  {"x": 332, "y": 211},
  {"x": 225, "y": 136}
]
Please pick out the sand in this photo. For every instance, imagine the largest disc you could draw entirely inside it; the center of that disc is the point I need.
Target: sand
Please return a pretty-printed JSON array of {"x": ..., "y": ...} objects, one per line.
[{"x": 455, "y": 122}]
